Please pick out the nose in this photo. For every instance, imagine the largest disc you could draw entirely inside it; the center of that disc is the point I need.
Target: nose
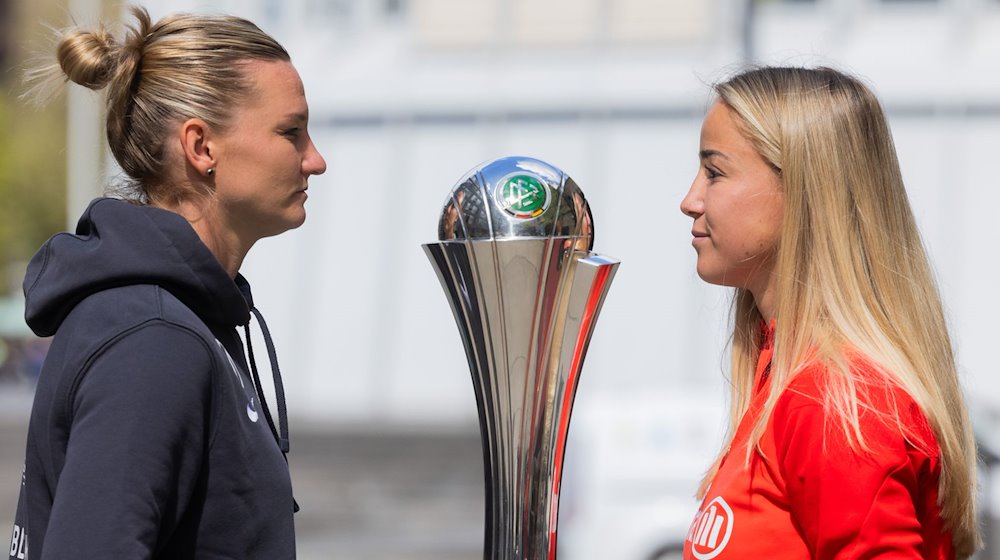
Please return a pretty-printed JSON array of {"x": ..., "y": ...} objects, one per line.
[
  {"x": 693, "y": 204},
  {"x": 313, "y": 163}
]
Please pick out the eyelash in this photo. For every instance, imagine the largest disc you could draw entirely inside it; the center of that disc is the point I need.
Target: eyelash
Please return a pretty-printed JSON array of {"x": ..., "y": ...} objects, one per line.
[
  {"x": 291, "y": 133},
  {"x": 712, "y": 173}
]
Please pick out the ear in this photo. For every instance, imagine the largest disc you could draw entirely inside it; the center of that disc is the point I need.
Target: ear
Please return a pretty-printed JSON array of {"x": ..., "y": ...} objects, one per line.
[{"x": 197, "y": 144}]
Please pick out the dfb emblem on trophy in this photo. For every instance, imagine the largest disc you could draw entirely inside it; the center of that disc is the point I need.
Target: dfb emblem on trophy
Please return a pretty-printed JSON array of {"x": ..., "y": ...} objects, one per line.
[{"x": 522, "y": 196}]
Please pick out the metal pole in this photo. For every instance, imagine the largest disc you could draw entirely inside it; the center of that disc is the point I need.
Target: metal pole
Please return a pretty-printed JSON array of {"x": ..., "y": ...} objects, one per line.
[
  {"x": 749, "y": 21},
  {"x": 83, "y": 132}
]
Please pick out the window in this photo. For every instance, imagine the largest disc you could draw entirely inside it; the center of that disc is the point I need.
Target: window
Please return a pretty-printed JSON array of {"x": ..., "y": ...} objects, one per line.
[{"x": 392, "y": 8}]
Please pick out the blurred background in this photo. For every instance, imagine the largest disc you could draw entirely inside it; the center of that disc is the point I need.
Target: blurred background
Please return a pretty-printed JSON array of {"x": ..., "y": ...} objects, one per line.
[{"x": 405, "y": 97}]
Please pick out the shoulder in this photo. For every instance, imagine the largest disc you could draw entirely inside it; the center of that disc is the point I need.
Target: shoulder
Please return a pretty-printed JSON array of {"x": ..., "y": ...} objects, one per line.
[
  {"x": 109, "y": 316},
  {"x": 862, "y": 407},
  {"x": 123, "y": 305},
  {"x": 857, "y": 461},
  {"x": 135, "y": 334}
]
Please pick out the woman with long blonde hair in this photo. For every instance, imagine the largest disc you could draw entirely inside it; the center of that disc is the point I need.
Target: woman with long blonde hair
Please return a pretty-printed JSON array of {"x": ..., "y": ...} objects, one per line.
[{"x": 849, "y": 436}]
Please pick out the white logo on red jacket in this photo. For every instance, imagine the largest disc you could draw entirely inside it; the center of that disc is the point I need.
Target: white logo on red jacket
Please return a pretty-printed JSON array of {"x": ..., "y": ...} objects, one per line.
[{"x": 711, "y": 529}]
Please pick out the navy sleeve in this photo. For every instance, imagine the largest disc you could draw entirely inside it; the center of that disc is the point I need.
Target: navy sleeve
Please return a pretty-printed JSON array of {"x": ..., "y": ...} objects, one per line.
[{"x": 140, "y": 428}]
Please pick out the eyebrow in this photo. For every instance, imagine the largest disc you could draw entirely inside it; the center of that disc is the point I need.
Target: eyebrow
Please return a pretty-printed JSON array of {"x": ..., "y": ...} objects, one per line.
[
  {"x": 705, "y": 154},
  {"x": 298, "y": 116}
]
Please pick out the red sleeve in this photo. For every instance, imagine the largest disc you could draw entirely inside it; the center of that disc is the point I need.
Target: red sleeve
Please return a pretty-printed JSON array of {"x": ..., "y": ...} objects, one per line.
[{"x": 846, "y": 503}]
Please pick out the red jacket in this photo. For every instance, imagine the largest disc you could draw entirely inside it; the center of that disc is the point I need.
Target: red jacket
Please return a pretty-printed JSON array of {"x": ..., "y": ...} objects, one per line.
[{"x": 809, "y": 496}]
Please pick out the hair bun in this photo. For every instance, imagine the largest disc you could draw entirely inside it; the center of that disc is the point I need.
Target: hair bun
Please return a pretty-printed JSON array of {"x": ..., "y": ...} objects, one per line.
[{"x": 88, "y": 57}]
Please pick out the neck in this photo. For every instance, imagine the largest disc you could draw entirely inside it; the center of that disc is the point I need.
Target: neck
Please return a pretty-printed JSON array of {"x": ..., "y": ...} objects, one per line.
[
  {"x": 222, "y": 240},
  {"x": 764, "y": 297}
]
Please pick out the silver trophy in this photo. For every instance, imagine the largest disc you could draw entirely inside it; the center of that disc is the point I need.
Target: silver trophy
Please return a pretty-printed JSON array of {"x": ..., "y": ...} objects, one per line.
[{"x": 515, "y": 263}]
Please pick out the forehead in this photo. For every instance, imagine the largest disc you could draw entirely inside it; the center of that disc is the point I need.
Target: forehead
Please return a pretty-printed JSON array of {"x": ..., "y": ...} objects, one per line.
[
  {"x": 718, "y": 123},
  {"x": 273, "y": 84},
  {"x": 721, "y": 131}
]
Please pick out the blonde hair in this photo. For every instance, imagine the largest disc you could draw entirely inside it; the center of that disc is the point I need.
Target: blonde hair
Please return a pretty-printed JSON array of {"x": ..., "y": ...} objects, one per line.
[
  {"x": 851, "y": 273},
  {"x": 183, "y": 66}
]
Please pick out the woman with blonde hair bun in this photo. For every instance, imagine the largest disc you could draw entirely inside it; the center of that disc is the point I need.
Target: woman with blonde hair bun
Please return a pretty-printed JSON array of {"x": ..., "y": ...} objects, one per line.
[
  {"x": 149, "y": 435},
  {"x": 849, "y": 436}
]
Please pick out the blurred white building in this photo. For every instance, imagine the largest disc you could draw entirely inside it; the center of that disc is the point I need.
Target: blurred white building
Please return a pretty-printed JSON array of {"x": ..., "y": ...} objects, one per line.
[{"x": 406, "y": 95}]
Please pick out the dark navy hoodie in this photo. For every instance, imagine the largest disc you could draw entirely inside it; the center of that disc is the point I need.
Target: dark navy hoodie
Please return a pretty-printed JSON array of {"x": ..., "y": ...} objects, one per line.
[{"x": 146, "y": 439}]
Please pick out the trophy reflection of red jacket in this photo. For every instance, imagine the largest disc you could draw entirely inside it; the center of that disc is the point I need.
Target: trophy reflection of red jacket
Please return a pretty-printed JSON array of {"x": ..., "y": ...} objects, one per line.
[{"x": 804, "y": 495}]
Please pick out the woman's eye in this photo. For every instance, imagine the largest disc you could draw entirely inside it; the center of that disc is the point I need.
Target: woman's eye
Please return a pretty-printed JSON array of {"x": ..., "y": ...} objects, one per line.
[
  {"x": 711, "y": 173},
  {"x": 291, "y": 133}
]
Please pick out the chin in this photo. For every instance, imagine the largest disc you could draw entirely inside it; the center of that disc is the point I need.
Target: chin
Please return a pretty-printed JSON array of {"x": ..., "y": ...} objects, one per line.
[
  {"x": 715, "y": 277},
  {"x": 710, "y": 280},
  {"x": 301, "y": 219},
  {"x": 281, "y": 226},
  {"x": 294, "y": 217},
  {"x": 706, "y": 274}
]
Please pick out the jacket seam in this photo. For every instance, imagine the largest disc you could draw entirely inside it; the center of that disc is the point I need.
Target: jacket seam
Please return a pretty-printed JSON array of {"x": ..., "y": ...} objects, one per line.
[
  {"x": 871, "y": 507},
  {"x": 100, "y": 350}
]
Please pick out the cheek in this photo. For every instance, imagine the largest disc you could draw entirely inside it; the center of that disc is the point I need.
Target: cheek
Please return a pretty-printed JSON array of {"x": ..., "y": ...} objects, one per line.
[
  {"x": 741, "y": 231},
  {"x": 289, "y": 160},
  {"x": 765, "y": 235},
  {"x": 772, "y": 218}
]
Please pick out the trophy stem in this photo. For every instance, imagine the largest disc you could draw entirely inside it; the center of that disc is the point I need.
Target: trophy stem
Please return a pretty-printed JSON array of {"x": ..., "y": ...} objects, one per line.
[{"x": 526, "y": 310}]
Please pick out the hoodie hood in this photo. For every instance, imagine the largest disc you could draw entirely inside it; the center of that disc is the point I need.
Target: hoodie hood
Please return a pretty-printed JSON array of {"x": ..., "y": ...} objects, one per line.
[{"x": 120, "y": 244}]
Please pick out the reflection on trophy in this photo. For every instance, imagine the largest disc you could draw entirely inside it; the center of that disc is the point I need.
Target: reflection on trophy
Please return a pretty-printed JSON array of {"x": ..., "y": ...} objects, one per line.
[{"x": 515, "y": 263}]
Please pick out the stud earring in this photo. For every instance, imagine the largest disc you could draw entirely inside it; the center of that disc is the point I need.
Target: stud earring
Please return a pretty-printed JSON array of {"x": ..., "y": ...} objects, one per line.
[{"x": 210, "y": 172}]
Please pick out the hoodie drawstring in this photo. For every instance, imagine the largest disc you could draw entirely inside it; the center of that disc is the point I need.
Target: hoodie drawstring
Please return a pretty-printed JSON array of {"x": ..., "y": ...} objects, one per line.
[{"x": 281, "y": 433}]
